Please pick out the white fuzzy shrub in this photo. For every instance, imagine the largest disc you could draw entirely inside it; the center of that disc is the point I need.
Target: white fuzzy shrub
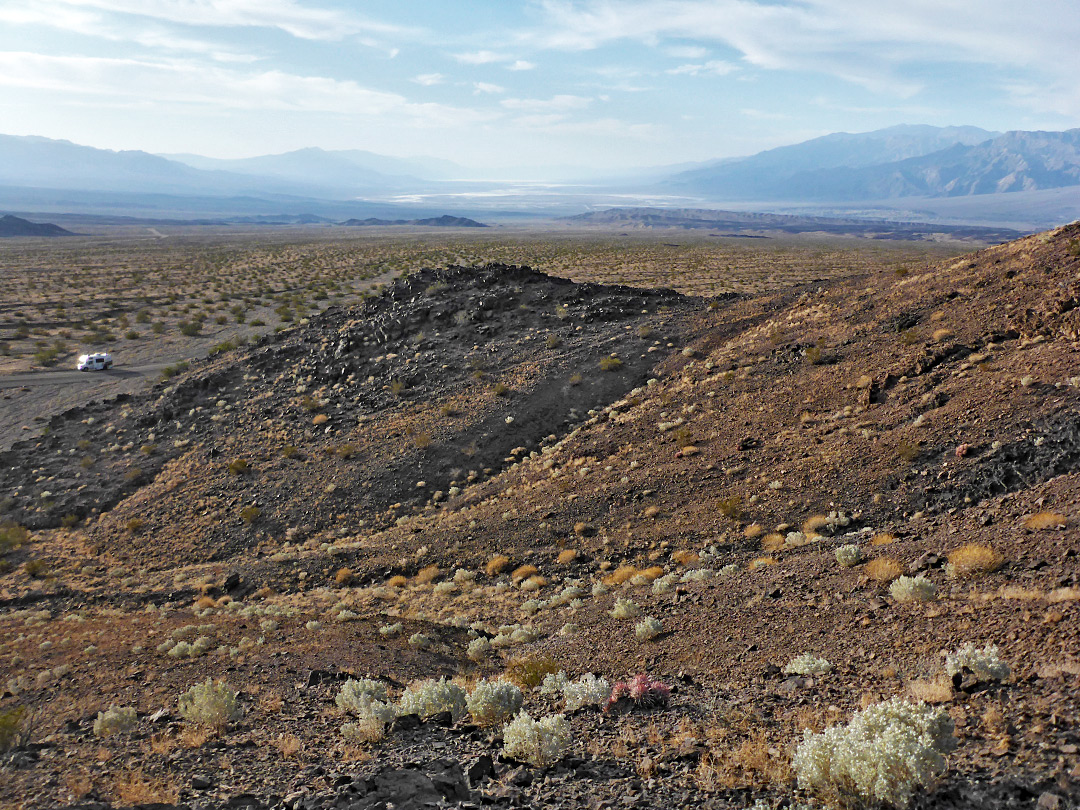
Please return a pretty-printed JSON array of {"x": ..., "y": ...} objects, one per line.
[
  {"x": 364, "y": 730},
  {"x": 538, "y": 742},
  {"x": 570, "y": 629},
  {"x": 665, "y": 583},
  {"x": 366, "y": 698},
  {"x": 588, "y": 690},
  {"x": 624, "y": 609},
  {"x": 648, "y": 629},
  {"x": 807, "y": 664},
  {"x": 419, "y": 641},
  {"x": 984, "y": 664},
  {"x": 391, "y": 630},
  {"x": 115, "y": 720},
  {"x": 492, "y": 702},
  {"x": 427, "y": 698},
  {"x": 478, "y": 649},
  {"x": 884, "y": 753},
  {"x": 913, "y": 589},
  {"x": 850, "y": 555},
  {"x": 554, "y": 683},
  {"x": 211, "y": 703}
]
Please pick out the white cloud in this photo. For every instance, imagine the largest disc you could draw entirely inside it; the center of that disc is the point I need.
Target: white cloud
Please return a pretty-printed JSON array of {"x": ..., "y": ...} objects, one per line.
[
  {"x": 521, "y": 64},
  {"x": 169, "y": 84},
  {"x": 869, "y": 44},
  {"x": 687, "y": 51},
  {"x": 480, "y": 57},
  {"x": 429, "y": 79},
  {"x": 486, "y": 87},
  {"x": 715, "y": 67},
  {"x": 555, "y": 103}
]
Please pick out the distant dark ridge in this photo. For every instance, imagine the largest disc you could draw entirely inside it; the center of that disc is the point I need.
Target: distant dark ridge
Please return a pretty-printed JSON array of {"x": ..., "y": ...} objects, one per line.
[
  {"x": 16, "y": 226},
  {"x": 738, "y": 223},
  {"x": 445, "y": 221}
]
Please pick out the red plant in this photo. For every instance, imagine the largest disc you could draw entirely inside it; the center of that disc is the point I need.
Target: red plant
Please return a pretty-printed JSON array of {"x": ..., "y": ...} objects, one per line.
[{"x": 640, "y": 691}]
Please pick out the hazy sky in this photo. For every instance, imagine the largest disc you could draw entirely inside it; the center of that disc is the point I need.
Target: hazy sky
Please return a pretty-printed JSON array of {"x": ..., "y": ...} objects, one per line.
[{"x": 496, "y": 82}]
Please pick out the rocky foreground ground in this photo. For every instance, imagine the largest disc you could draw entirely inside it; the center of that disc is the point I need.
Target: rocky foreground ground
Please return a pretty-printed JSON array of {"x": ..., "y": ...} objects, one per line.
[{"x": 492, "y": 453}]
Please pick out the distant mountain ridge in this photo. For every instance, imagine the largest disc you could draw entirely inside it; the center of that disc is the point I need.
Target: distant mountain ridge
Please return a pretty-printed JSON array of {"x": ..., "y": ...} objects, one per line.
[
  {"x": 17, "y": 226},
  {"x": 1013, "y": 161},
  {"x": 445, "y": 221}
]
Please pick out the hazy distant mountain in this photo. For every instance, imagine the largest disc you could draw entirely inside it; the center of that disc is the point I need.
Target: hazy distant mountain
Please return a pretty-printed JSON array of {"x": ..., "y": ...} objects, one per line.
[
  {"x": 17, "y": 226},
  {"x": 873, "y": 167},
  {"x": 445, "y": 221},
  {"x": 347, "y": 169}
]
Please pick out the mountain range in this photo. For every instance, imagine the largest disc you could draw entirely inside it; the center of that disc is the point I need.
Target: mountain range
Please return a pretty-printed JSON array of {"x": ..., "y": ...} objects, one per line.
[{"x": 898, "y": 170}]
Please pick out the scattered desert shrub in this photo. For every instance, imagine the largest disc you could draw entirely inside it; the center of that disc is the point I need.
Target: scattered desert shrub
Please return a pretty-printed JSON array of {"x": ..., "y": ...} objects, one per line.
[
  {"x": 882, "y": 539},
  {"x": 648, "y": 629},
  {"x": 16, "y": 728},
  {"x": 939, "y": 690},
  {"x": 419, "y": 641},
  {"x": 250, "y": 513},
  {"x": 684, "y": 557},
  {"x": 344, "y": 576},
  {"x": 239, "y": 466},
  {"x": 523, "y": 572},
  {"x": 496, "y": 565},
  {"x": 624, "y": 609},
  {"x": 397, "y": 581},
  {"x": 427, "y": 574},
  {"x": 913, "y": 589},
  {"x": 478, "y": 649},
  {"x": 730, "y": 507},
  {"x": 493, "y": 702},
  {"x": 984, "y": 664},
  {"x": 212, "y": 703},
  {"x": 566, "y": 556},
  {"x": 882, "y": 755},
  {"x": 807, "y": 664},
  {"x": 972, "y": 561},
  {"x": 115, "y": 720},
  {"x": 529, "y": 673},
  {"x": 883, "y": 569},
  {"x": 364, "y": 730},
  {"x": 588, "y": 690},
  {"x": 908, "y": 450},
  {"x": 1045, "y": 520},
  {"x": 538, "y": 742},
  {"x": 773, "y": 541},
  {"x": 850, "y": 555},
  {"x": 430, "y": 697},
  {"x": 624, "y": 573},
  {"x": 367, "y": 699}
]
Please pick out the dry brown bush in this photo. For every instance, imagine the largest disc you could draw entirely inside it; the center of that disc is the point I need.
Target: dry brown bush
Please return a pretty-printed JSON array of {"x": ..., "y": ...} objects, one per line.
[
  {"x": 753, "y": 531},
  {"x": 135, "y": 787},
  {"x": 496, "y": 565},
  {"x": 882, "y": 539},
  {"x": 427, "y": 574},
  {"x": 620, "y": 575},
  {"x": 344, "y": 576},
  {"x": 566, "y": 556},
  {"x": 938, "y": 690},
  {"x": 883, "y": 569},
  {"x": 685, "y": 557},
  {"x": 973, "y": 560},
  {"x": 1041, "y": 521},
  {"x": 815, "y": 524},
  {"x": 523, "y": 572},
  {"x": 772, "y": 541}
]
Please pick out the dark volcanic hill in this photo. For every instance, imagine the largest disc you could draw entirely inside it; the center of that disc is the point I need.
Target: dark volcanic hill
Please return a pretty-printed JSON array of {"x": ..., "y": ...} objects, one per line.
[
  {"x": 487, "y": 472},
  {"x": 16, "y": 226}
]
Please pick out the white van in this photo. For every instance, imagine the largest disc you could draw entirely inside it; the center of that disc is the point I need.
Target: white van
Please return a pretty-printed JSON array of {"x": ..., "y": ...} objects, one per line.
[{"x": 99, "y": 361}]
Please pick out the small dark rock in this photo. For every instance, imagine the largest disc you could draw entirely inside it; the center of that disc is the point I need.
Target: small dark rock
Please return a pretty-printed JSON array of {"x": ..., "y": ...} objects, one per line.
[
  {"x": 406, "y": 722},
  {"x": 444, "y": 719},
  {"x": 481, "y": 769},
  {"x": 520, "y": 776},
  {"x": 201, "y": 782}
]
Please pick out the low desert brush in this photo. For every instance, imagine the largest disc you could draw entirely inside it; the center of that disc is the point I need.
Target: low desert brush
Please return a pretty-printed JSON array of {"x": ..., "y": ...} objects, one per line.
[
  {"x": 493, "y": 702},
  {"x": 984, "y": 664},
  {"x": 523, "y": 572},
  {"x": 1041, "y": 521},
  {"x": 850, "y": 555},
  {"x": 885, "y": 753},
  {"x": 973, "y": 560},
  {"x": 883, "y": 569},
  {"x": 529, "y": 673},
  {"x": 539, "y": 742},
  {"x": 624, "y": 609},
  {"x": 648, "y": 629},
  {"x": 624, "y": 573},
  {"x": 807, "y": 664},
  {"x": 913, "y": 589},
  {"x": 496, "y": 565},
  {"x": 115, "y": 720},
  {"x": 430, "y": 697},
  {"x": 212, "y": 704}
]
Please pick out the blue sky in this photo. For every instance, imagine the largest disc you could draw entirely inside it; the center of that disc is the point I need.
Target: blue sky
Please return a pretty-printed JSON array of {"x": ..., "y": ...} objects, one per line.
[{"x": 595, "y": 83}]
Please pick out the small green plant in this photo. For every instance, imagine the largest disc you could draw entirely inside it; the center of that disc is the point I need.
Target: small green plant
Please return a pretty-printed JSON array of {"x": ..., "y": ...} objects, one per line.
[
  {"x": 36, "y": 568},
  {"x": 238, "y": 466},
  {"x": 730, "y": 507},
  {"x": 850, "y": 555},
  {"x": 290, "y": 451},
  {"x": 189, "y": 328},
  {"x": 397, "y": 387},
  {"x": 116, "y": 720},
  {"x": 16, "y": 728},
  {"x": 610, "y": 363},
  {"x": 501, "y": 390},
  {"x": 908, "y": 450},
  {"x": 249, "y": 514},
  {"x": 552, "y": 341},
  {"x": 135, "y": 525},
  {"x": 212, "y": 704},
  {"x": 528, "y": 673}
]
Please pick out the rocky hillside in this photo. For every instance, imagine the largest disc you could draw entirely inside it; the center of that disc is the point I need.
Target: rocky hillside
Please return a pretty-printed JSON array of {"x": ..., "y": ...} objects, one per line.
[{"x": 490, "y": 471}]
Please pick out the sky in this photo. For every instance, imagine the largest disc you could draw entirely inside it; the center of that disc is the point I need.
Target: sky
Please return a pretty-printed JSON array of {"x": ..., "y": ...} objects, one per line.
[{"x": 584, "y": 83}]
